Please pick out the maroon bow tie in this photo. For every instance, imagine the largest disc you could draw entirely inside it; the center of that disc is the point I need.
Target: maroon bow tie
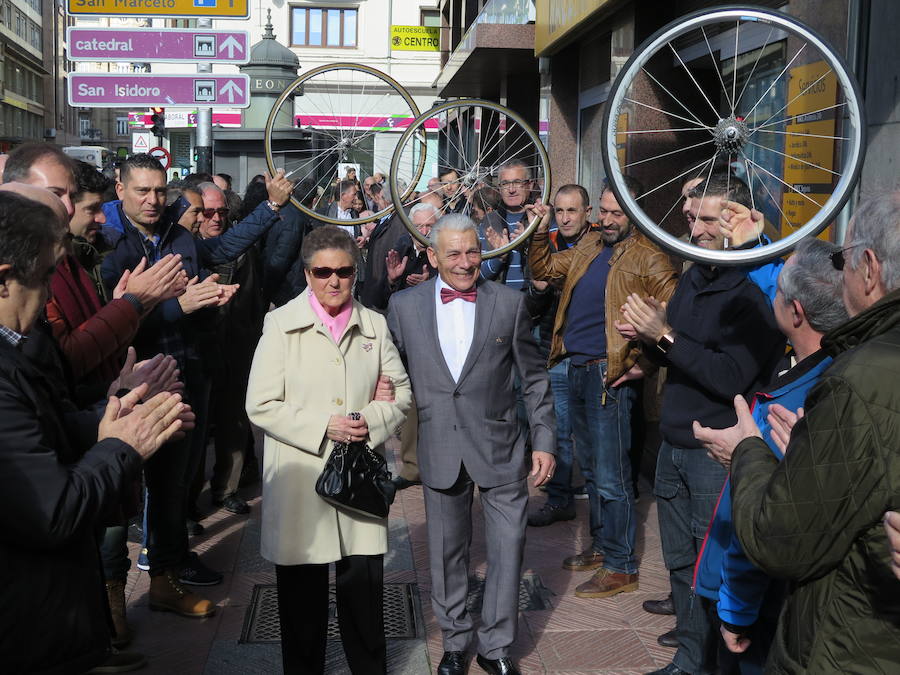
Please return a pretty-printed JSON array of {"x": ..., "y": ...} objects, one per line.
[{"x": 450, "y": 294}]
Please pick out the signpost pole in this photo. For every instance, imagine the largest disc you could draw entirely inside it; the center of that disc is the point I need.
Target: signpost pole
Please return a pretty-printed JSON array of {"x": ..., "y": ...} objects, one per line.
[{"x": 204, "y": 119}]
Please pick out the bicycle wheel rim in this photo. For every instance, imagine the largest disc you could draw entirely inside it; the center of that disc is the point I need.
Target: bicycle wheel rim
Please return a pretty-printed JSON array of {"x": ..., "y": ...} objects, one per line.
[
  {"x": 290, "y": 92},
  {"x": 852, "y": 153}
]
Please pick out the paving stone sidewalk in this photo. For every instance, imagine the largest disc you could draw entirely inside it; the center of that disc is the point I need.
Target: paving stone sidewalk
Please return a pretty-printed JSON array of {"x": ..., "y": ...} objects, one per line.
[{"x": 559, "y": 634}]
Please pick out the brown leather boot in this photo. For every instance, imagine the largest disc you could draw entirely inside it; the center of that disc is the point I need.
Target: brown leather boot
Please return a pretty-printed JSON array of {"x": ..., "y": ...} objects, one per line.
[
  {"x": 605, "y": 583},
  {"x": 167, "y": 594},
  {"x": 115, "y": 593}
]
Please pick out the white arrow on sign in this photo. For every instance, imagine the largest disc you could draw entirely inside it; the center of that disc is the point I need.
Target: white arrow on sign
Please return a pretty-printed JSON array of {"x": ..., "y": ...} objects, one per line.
[
  {"x": 230, "y": 88},
  {"x": 231, "y": 44}
]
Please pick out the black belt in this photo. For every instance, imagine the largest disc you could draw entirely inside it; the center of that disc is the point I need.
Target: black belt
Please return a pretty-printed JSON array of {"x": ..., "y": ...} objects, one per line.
[{"x": 592, "y": 362}]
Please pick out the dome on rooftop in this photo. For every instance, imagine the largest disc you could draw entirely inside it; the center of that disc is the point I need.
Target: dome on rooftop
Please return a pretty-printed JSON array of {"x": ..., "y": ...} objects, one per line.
[{"x": 270, "y": 52}]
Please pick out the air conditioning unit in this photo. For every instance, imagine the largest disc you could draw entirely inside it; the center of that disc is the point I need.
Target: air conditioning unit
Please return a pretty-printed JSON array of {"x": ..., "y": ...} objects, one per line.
[{"x": 50, "y": 133}]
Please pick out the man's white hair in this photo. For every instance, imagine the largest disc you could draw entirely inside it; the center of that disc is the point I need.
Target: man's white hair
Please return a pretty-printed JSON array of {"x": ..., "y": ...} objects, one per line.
[
  {"x": 422, "y": 207},
  {"x": 452, "y": 222},
  {"x": 210, "y": 187},
  {"x": 876, "y": 226}
]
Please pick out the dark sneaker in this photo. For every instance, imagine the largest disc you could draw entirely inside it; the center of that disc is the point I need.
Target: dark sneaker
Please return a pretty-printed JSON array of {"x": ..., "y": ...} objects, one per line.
[
  {"x": 143, "y": 562},
  {"x": 549, "y": 514},
  {"x": 195, "y": 573},
  {"x": 580, "y": 492},
  {"x": 233, "y": 504}
]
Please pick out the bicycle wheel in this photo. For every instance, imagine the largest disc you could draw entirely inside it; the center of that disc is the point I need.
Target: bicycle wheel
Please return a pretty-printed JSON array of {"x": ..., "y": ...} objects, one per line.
[
  {"x": 470, "y": 143},
  {"x": 332, "y": 119},
  {"x": 748, "y": 88}
]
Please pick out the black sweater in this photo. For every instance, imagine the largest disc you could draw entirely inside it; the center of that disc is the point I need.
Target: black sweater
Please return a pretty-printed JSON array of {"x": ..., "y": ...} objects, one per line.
[{"x": 726, "y": 343}]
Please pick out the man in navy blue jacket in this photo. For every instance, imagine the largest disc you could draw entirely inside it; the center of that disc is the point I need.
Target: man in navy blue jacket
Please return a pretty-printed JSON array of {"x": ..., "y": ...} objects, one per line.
[
  {"x": 719, "y": 338},
  {"x": 170, "y": 329}
]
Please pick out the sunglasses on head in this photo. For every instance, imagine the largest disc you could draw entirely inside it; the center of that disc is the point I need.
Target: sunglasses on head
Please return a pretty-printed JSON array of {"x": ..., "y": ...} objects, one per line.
[
  {"x": 209, "y": 213},
  {"x": 326, "y": 272},
  {"x": 837, "y": 258}
]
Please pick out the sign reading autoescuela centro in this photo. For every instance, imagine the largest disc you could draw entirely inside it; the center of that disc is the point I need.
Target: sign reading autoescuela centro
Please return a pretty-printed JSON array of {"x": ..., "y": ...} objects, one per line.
[
  {"x": 220, "y": 9},
  {"x": 91, "y": 90},
  {"x": 170, "y": 45},
  {"x": 416, "y": 38}
]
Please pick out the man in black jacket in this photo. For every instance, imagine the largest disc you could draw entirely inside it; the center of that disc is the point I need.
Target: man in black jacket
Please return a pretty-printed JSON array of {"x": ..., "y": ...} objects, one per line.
[
  {"x": 59, "y": 472},
  {"x": 719, "y": 338}
]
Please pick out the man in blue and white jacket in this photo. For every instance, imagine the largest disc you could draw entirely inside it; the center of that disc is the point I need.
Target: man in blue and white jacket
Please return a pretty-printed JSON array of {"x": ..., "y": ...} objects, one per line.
[{"x": 807, "y": 304}]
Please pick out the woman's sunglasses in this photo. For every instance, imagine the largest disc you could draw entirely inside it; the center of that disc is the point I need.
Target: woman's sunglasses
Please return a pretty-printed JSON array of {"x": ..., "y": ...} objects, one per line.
[{"x": 326, "y": 272}]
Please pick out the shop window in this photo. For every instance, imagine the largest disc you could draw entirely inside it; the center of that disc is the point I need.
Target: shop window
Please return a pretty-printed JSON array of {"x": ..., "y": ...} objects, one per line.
[{"x": 323, "y": 27}]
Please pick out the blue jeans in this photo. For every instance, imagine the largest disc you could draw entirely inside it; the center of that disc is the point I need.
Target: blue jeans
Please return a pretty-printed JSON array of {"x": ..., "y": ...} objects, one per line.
[
  {"x": 559, "y": 487},
  {"x": 601, "y": 422},
  {"x": 687, "y": 488}
]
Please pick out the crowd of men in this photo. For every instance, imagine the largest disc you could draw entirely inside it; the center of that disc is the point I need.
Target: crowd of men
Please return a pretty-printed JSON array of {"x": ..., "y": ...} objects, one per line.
[{"x": 130, "y": 310}]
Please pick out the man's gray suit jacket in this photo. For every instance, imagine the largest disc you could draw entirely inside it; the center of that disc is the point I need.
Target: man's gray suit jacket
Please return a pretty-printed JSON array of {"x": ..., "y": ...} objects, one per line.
[{"x": 473, "y": 422}]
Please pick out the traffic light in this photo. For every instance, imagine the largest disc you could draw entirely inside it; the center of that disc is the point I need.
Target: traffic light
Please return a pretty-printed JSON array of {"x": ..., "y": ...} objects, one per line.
[{"x": 158, "y": 119}]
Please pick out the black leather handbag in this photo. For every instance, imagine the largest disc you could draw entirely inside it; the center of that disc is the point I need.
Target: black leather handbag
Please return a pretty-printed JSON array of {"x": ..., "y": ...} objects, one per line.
[{"x": 356, "y": 478}]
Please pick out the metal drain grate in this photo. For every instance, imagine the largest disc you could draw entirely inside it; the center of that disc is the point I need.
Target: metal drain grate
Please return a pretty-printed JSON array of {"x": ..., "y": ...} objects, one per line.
[
  {"x": 402, "y": 618},
  {"x": 533, "y": 595}
]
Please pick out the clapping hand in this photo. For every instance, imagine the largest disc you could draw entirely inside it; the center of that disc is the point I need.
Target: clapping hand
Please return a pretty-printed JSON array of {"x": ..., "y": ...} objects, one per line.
[
  {"x": 782, "y": 422},
  {"x": 151, "y": 285},
  {"x": 159, "y": 374},
  {"x": 647, "y": 316},
  {"x": 143, "y": 426}
]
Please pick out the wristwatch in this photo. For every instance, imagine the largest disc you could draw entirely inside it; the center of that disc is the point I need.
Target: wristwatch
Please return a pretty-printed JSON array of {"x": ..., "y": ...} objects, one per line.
[
  {"x": 273, "y": 205},
  {"x": 665, "y": 342}
]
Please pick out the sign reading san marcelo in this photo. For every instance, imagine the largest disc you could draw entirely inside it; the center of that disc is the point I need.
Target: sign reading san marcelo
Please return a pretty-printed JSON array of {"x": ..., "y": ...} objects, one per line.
[{"x": 222, "y": 9}]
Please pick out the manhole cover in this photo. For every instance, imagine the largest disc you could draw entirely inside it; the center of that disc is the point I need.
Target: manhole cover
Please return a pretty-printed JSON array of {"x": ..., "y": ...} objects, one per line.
[{"x": 402, "y": 618}]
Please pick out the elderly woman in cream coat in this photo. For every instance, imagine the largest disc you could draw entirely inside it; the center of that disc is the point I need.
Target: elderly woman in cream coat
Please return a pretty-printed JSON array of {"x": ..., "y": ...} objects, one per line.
[{"x": 321, "y": 357}]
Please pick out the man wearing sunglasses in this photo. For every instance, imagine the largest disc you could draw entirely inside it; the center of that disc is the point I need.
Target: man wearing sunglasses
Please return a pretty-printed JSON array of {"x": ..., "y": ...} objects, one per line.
[
  {"x": 228, "y": 349},
  {"x": 815, "y": 519}
]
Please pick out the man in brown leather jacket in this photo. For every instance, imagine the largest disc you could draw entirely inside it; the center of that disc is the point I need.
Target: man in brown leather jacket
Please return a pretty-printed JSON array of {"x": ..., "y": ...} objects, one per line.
[{"x": 597, "y": 276}]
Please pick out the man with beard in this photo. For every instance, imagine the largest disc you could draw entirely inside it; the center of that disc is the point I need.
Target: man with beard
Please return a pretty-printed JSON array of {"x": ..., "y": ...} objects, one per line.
[{"x": 597, "y": 276}]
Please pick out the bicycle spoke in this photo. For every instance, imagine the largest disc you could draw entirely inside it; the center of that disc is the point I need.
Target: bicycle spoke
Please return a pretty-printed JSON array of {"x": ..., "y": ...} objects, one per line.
[
  {"x": 775, "y": 201},
  {"x": 672, "y": 208},
  {"x": 712, "y": 166},
  {"x": 671, "y": 180},
  {"x": 737, "y": 35},
  {"x": 815, "y": 166},
  {"x": 716, "y": 68},
  {"x": 752, "y": 199},
  {"x": 775, "y": 81},
  {"x": 818, "y": 79},
  {"x": 787, "y": 185},
  {"x": 661, "y": 131},
  {"x": 753, "y": 69},
  {"x": 662, "y": 86},
  {"x": 666, "y": 154},
  {"x": 696, "y": 84},
  {"x": 664, "y": 112}
]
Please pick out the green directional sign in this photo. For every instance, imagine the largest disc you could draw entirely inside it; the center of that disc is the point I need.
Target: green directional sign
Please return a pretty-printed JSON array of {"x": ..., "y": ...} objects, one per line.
[{"x": 217, "y": 9}]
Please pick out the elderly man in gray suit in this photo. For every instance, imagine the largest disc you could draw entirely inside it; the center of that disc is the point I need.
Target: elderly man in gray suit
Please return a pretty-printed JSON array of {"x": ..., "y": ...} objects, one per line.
[{"x": 463, "y": 340}]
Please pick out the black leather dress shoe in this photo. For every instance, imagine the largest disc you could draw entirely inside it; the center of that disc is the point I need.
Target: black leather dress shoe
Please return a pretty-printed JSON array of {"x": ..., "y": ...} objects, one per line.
[
  {"x": 233, "y": 504},
  {"x": 453, "y": 663},
  {"x": 501, "y": 666},
  {"x": 670, "y": 669},
  {"x": 666, "y": 606},
  {"x": 669, "y": 639}
]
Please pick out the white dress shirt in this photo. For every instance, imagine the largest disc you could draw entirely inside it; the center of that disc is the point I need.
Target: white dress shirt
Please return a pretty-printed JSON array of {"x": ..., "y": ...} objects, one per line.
[{"x": 456, "y": 327}]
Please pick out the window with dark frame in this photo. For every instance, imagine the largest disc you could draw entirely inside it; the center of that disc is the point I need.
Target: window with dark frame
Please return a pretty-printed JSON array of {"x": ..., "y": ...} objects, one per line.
[
  {"x": 325, "y": 27},
  {"x": 430, "y": 17}
]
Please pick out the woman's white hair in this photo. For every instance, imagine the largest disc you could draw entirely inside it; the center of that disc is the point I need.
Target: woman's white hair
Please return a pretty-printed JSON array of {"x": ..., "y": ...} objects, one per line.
[{"x": 453, "y": 222}]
